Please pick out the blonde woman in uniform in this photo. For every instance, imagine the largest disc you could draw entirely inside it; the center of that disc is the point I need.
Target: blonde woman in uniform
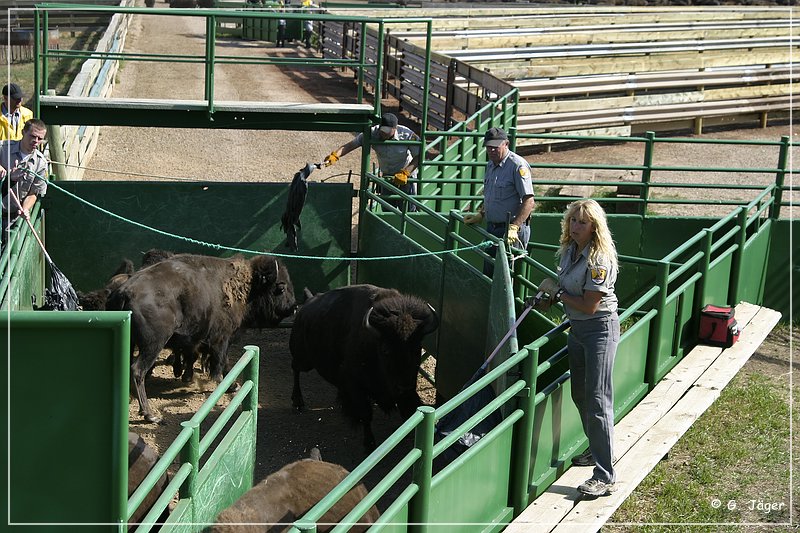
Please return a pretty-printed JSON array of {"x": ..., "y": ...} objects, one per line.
[{"x": 587, "y": 272}]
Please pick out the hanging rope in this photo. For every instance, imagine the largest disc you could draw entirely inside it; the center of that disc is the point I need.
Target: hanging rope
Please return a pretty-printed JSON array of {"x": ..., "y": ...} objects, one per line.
[{"x": 485, "y": 244}]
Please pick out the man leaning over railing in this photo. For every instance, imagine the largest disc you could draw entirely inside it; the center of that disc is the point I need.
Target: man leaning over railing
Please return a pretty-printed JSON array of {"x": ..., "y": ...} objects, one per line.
[{"x": 23, "y": 168}]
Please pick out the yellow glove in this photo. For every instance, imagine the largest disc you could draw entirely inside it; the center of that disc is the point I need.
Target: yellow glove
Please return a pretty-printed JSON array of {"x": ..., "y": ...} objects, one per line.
[
  {"x": 512, "y": 237},
  {"x": 477, "y": 218},
  {"x": 401, "y": 178},
  {"x": 331, "y": 159}
]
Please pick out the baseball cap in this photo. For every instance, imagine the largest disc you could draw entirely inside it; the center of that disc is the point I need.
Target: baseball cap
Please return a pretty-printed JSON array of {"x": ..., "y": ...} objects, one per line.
[
  {"x": 13, "y": 91},
  {"x": 494, "y": 137},
  {"x": 388, "y": 122}
]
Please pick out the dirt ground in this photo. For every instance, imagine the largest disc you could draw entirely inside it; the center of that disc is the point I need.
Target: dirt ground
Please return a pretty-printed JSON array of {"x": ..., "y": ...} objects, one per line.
[{"x": 253, "y": 155}]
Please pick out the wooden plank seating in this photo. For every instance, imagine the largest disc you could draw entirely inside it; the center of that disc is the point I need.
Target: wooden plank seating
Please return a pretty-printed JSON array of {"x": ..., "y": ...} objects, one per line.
[
  {"x": 648, "y": 432},
  {"x": 600, "y": 70}
]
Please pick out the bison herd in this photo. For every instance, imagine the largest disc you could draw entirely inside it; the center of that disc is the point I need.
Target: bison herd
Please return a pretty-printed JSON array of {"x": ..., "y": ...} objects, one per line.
[{"x": 364, "y": 340}]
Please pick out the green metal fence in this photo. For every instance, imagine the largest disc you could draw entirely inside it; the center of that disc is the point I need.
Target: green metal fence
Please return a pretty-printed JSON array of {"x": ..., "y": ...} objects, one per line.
[
  {"x": 22, "y": 264},
  {"x": 672, "y": 273},
  {"x": 541, "y": 429}
]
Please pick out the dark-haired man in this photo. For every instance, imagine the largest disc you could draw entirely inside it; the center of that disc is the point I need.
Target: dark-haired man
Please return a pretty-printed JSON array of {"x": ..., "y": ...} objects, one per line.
[{"x": 23, "y": 169}]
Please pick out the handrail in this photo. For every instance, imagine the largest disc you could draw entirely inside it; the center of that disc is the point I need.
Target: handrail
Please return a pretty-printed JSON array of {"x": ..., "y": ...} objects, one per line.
[{"x": 191, "y": 429}]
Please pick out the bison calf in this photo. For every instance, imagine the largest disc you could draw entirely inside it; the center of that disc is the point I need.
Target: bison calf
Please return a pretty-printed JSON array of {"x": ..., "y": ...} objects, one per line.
[
  {"x": 367, "y": 341},
  {"x": 288, "y": 494},
  {"x": 188, "y": 302}
]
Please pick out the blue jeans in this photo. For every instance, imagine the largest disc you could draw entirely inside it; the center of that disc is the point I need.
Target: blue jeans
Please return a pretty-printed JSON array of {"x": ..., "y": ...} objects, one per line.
[{"x": 592, "y": 346}]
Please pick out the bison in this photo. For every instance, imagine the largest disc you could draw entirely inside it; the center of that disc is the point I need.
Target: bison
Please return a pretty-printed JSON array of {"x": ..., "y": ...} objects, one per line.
[
  {"x": 288, "y": 494},
  {"x": 367, "y": 341},
  {"x": 96, "y": 300},
  {"x": 189, "y": 301}
]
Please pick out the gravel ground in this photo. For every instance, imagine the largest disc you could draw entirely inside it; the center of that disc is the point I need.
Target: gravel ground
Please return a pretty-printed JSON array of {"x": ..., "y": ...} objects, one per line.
[{"x": 274, "y": 156}]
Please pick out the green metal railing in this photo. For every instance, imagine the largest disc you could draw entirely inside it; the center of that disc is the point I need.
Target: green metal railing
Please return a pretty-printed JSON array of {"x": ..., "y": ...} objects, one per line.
[
  {"x": 685, "y": 274},
  {"x": 451, "y": 182},
  {"x": 190, "y": 447},
  {"x": 22, "y": 264},
  {"x": 210, "y": 58}
]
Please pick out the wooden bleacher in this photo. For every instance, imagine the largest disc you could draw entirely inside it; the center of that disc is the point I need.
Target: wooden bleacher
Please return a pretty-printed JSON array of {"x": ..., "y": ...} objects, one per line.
[{"x": 648, "y": 432}]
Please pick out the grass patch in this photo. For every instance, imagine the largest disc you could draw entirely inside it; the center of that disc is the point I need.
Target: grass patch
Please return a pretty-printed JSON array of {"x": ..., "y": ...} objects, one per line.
[{"x": 736, "y": 453}]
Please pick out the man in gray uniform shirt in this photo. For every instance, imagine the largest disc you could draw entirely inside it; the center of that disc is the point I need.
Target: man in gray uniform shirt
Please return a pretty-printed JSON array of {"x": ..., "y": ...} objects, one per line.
[
  {"x": 507, "y": 193},
  {"x": 23, "y": 169},
  {"x": 398, "y": 162}
]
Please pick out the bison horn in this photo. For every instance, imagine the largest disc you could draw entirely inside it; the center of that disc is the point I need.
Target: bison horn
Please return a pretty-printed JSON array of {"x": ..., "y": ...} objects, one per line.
[
  {"x": 367, "y": 325},
  {"x": 430, "y": 324}
]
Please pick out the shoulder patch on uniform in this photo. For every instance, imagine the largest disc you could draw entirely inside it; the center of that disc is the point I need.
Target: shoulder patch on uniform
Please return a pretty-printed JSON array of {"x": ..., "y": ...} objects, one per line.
[
  {"x": 524, "y": 172},
  {"x": 599, "y": 275}
]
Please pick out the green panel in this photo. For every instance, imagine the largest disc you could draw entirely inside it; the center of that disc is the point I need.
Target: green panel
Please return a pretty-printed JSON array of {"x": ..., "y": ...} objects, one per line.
[
  {"x": 420, "y": 276},
  {"x": 239, "y": 215},
  {"x": 685, "y": 335},
  {"x": 68, "y": 393},
  {"x": 472, "y": 489},
  {"x": 180, "y": 519},
  {"x": 753, "y": 267},
  {"x": 398, "y": 519},
  {"x": 782, "y": 284},
  {"x": 463, "y": 333},
  {"x": 718, "y": 281},
  {"x": 630, "y": 366},
  {"x": 661, "y": 235},
  {"x": 228, "y": 473},
  {"x": 27, "y": 276},
  {"x": 665, "y": 360},
  {"x": 557, "y": 435}
]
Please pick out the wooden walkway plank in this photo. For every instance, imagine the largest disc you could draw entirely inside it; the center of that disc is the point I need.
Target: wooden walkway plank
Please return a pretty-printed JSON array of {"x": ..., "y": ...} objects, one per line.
[{"x": 647, "y": 433}]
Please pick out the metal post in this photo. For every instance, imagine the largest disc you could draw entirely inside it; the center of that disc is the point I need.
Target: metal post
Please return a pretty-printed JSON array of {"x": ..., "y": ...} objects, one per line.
[
  {"x": 644, "y": 193},
  {"x": 43, "y": 50},
  {"x": 211, "y": 32},
  {"x": 191, "y": 454},
  {"x": 738, "y": 256},
  {"x": 783, "y": 161},
  {"x": 56, "y": 145},
  {"x": 522, "y": 445},
  {"x": 653, "y": 348},
  {"x": 362, "y": 54},
  {"x": 251, "y": 373},
  {"x": 36, "y": 67},
  {"x": 705, "y": 265},
  {"x": 422, "y": 472}
]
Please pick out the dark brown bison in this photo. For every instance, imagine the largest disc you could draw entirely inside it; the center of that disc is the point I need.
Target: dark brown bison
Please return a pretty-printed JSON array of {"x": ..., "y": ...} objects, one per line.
[
  {"x": 288, "y": 494},
  {"x": 96, "y": 300},
  {"x": 367, "y": 341},
  {"x": 189, "y": 301}
]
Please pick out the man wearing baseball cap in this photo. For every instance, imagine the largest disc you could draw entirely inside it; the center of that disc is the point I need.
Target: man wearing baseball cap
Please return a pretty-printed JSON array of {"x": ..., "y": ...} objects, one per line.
[
  {"x": 397, "y": 162},
  {"x": 14, "y": 115},
  {"x": 507, "y": 194}
]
